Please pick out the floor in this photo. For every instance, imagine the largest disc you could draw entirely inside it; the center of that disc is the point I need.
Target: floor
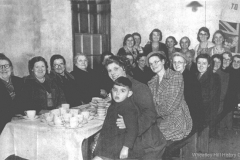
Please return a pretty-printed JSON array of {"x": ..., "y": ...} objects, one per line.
[{"x": 224, "y": 147}]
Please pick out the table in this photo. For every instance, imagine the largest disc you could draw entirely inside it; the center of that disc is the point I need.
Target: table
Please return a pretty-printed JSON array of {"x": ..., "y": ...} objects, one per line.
[{"x": 35, "y": 140}]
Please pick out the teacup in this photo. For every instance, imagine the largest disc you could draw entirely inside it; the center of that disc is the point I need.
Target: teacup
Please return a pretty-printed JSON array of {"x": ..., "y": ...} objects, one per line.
[
  {"x": 74, "y": 112},
  {"x": 85, "y": 114},
  {"x": 63, "y": 110},
  {"x": 30, "y": 114},
  {"x": 49, "y": 117},
  {"x": 73, "y": 122},
  {"x": 66, "y": 106},
  {"x": 57, "y": 120},
  {"x": 80, "y": 118},
  {"x": 55, "y": 112},
  {"x": 67, "y": 117}
]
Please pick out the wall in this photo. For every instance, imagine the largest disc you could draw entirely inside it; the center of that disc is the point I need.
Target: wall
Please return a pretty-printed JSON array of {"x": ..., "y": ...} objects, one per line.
[
  {"x": 172, "y": 17},
  {"x": 35, "y": 27}
]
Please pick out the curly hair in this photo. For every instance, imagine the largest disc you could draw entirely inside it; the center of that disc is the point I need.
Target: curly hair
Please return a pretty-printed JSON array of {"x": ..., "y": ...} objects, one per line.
[{"x": 32, "y": 61}]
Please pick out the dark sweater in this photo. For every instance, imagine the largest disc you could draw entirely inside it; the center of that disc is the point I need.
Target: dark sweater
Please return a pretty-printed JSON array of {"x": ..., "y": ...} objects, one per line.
[{"x": 112, "y": 139}]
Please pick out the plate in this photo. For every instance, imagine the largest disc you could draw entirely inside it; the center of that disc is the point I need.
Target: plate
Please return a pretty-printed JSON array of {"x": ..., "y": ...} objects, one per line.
[
  {"x": 25, "y": 117},
  {"x": 68, "y": 126}
]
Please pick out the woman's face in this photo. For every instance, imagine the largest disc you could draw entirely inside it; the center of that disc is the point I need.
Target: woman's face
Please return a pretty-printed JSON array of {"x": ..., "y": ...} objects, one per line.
[
  {"x": 5, "y": 70},
  {"x": 202, "y": 65},
  {"x": 226, "y": 60},
  {"x": 130, "y": 58},
  {"x": 59, "y": 66},
  {"x": 170, "y": 43},
  {"x": 189, "y": 56},
  {"x": 217, "y": 64},
  {"x": 218, "y": 39},
  {"x": 155, "y": 36},
  {"x": 82, "y": 62},
  {"x": 179, "y": 64},
  {"x": 39, "y": 69},
  {"x": 156, "y": 64},
  {"x": 236, "y": 63},
  {"x": 203, "y": 36},
  {"x": 115, "y": 71},
  {"x": 137, "y": 40},
  {"x": 142, "y": 62},
  {"x": 184, "y": 43},
  {"x": 130, "y": 42}
]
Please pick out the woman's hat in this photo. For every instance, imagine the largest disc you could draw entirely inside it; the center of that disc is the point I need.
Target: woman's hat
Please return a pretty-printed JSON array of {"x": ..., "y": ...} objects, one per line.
[
  {"x": 181, "y": 55},
  {"x": 155, "y": 53}
]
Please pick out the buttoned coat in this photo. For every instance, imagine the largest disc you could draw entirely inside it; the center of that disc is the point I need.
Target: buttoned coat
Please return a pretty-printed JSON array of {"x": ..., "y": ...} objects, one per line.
[{"x": 169, "y": 101}]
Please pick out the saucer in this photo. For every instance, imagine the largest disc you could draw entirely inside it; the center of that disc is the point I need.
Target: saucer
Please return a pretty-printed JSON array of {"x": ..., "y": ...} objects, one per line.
[
  {"x": 78, "y": 126},
  {"x": 25, "y": 117}
]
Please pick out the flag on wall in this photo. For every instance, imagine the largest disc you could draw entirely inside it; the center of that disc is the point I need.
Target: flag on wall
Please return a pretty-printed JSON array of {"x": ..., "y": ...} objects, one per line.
[
  {"x": 229, "y": 24},
  {"x": 231, "y": 32}
]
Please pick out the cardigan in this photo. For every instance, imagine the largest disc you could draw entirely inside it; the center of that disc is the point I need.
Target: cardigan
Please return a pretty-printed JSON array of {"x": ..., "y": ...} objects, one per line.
[{"x": 168, "y": 96}]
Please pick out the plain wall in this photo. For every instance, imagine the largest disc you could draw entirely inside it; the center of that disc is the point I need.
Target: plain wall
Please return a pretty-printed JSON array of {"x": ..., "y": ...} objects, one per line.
[
  {"x": 31, "y": 28},
  {"x": 172, "y": 17}
]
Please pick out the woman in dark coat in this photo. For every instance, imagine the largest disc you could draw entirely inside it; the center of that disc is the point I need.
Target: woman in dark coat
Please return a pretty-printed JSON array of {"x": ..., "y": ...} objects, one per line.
[
  {"x": 211, "y": 89},
  {"x": 40, "y": 92},
  {"x": 192, "y": 90},
  {"x": 155, "y": 44},
  {"x": 64, "y": 80},
  {"x": 142, "y": 72},
  {"x": 10, "y": 87},
  {"x": 86, "y": 79}
]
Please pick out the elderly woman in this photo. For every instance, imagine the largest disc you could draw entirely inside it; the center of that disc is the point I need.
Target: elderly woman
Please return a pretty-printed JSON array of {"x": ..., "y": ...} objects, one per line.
[
  {"x": 211, "y": 89},
  {"x": 184, "y": 44},
  {"x": 10, "y": 88},
  {"x": 167, "y": 89},
  {"x": 171, "y": 42},
  {"x": 86, "y": 79},
  {"x": 128, "y": 47},
  {"x": 40, "y": 92},
  {"x": 192, "y": 90},
  {"x": 137, "y": 37},
  {"x": 142, "y": 72},
  {"x": 150, "y": 142},
  {"x": 155, "y": 44},
  {"x": 202, "y": 37},
  {"x": 64, "y": 80},
  {"x": 218, "y": 40}
]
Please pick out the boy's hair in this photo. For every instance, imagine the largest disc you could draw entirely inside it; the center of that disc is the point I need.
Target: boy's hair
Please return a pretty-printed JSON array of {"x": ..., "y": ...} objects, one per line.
[{"x": 124, "y": 82}]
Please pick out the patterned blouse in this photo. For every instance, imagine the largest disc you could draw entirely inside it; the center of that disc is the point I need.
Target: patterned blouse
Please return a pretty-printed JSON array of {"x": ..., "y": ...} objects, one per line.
[{"x": 175, "y": 122}]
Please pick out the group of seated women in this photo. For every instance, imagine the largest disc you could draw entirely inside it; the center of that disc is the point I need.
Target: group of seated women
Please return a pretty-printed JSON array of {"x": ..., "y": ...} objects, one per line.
[{"x": 175, "y": 90}]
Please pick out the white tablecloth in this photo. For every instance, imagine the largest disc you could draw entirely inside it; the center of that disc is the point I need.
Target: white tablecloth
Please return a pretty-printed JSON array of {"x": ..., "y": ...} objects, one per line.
[{"x": 35, "y": 140}]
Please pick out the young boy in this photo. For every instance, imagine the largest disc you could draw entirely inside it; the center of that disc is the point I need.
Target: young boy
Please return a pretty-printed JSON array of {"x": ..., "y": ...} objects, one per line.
[{"x": 113, "y": 142}]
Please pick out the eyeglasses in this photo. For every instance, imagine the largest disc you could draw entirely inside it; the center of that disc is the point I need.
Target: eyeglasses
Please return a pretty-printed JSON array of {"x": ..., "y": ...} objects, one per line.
[
  {"x": 226, "y": 60},
  {"x": 178, "y": 62},
  {"x": 58, "y": 65},
  {"x": 154, "y": 63},
  {"x": 6, "y": 66},
  {"x": 238, "y": 62}
]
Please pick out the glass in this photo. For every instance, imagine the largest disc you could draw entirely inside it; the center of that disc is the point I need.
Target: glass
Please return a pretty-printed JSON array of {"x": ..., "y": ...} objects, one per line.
[
  {"x": 226, "y": 60},
  {"x": 58, "y": 65},
  {"x": 154, "y": 63},
  {"x": 178, "y": 62},
  {"x": 6, "y": 66}
]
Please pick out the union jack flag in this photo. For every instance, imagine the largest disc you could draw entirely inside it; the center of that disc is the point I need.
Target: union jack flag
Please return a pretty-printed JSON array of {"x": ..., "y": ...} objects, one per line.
[{"x": 232, "y": 32}]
